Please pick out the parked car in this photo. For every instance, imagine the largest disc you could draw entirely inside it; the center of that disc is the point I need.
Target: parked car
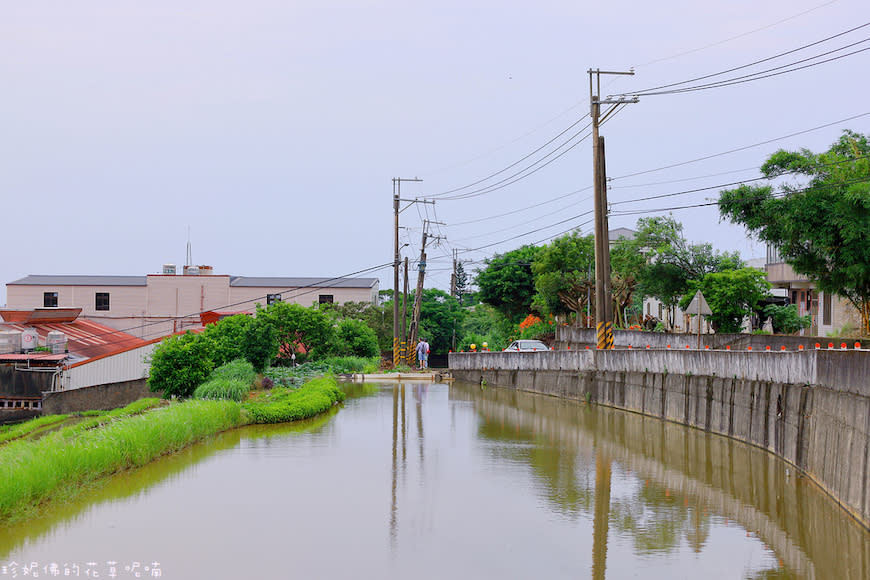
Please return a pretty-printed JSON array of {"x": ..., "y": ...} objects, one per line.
[{"x": 526, "y": 346}]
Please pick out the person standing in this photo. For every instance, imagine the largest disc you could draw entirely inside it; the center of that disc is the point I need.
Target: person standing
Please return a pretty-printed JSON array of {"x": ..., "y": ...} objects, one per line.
[{"x": 422, "y": 353}]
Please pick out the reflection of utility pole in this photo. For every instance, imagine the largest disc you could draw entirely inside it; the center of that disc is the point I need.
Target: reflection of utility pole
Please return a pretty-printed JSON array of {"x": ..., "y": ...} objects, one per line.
[
  {"x": 603, "y": 303},
  {"x": 601, "y": 523},
  {"x": 397, "y": 194},
  {"x": 404, "y": 344}
]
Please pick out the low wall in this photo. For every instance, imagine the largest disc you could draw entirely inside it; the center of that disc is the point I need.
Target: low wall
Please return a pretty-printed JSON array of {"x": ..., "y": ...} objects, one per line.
[
  {"x": 810, "y": 408},
  {"x": 98, "y": 397},
  {"x": 581, "y": 337}
]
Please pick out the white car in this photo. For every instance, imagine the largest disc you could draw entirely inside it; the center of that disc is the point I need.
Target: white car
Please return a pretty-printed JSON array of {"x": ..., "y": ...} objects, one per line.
[{"x": 526, "y": 346}]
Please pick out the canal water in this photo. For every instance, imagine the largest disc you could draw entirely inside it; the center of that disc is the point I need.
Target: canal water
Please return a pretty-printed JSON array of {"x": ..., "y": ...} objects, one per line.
[{"x": 458, "y": 481}]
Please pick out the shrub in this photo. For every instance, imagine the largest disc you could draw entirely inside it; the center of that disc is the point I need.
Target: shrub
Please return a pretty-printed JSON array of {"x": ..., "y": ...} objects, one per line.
[
  {"x": 291, "y": 405},
  {"x": 785, "y": 319},
  {"x": 354, "y": 337},
  {"x": 179, "y": 364},
  {"x": 230, "y": 381}
]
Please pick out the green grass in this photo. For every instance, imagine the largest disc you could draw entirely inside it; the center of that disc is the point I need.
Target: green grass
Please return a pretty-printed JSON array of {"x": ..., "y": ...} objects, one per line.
[
  {"x": 57, "y": 466},
  {"x": 61, "y": 464},
  {"x": 282, "y": 404},
  {"x": 301, "y": 374},
  {"x": 229, "y": 381},
  {"x": 26, "y": 428}
]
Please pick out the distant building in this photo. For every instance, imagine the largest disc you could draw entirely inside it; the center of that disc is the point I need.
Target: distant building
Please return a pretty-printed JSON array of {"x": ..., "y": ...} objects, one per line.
[{"x": 155, "y": 305}]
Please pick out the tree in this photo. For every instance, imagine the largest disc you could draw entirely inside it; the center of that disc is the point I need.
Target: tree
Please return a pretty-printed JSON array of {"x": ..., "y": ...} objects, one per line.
[
  {"x": 731, "y": 295},
  {"x": 819, "y": 228},
  {"x": 299, "y": 329},
  {"x": 440, "y": 314},
  {"x": 671, "y": 262},
  {"x": 565, "y": 275},
  {"x": 179, "y": 364},
  {"x": 241, "y": 336},
  {"x": 461, "y": 283},
  {"x": 507, "y": 282},
  {"x": 355, "y": 338}
]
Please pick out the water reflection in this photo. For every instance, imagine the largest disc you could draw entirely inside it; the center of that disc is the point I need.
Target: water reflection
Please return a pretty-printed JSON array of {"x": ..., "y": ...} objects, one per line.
[
  {"x": 428, "y": 481},
  {"x": 675, "y": 486}
]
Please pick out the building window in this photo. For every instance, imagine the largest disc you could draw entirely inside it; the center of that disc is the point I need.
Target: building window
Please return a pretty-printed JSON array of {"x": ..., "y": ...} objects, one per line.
[
  {"x": 325, "y": 299},
  {"x": 272, "y": 299},
  {"x": 49, "y": 299},
  {"x": 102, "y": 301}
]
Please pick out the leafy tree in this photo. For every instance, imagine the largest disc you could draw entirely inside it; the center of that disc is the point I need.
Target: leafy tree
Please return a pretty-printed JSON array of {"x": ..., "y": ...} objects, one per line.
[
  {"x": 440, "y": 315},
  {"x": 820, "y": 228},
  {"x": 671, "y": 262},
  {"x": 483, "y": 323},
  {"x": 565, "y": 275},
  {"x": 260, "y": 344},
  {"x": 507, "y": 282},
  {"x": 241, "y": 336},
  {"x": 355, "y": 338},
  {"x": 785, "y": 319},
  {"x": 731, "y": 295},
  {"x": 299, "y": 329},
  {"x": 179, "y": 364}
]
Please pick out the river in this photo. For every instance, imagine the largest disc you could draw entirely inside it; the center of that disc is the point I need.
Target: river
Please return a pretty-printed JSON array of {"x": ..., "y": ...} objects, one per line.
[{"x": 458, "y": 481}]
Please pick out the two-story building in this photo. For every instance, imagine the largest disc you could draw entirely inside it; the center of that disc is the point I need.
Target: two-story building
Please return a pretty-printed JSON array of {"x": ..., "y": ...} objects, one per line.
[{"x": 159, "y": 304}]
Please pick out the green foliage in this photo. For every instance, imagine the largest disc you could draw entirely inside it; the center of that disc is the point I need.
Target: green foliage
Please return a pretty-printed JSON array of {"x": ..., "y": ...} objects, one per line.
[
  {"x": 731, "y": 295},
  {"x": 97, "y": 419},
  {"x": 820, "y": 228},
  {"x": 564, "y": 273},
  {"x": 507, "y": 282},
  {"x": 785, "y": 319},
  {"x": 60, "y": 466},
  {"x": 440, "y": 316},
  {"x": 300, "y": 374},
  {"x": 354, "y": 337},
  {"x": 241, "y": 336},
  {"x": 232, "y": 381},
  {"x": 307, "y": 332},
  {"x": 484, "y": 323},
  {"x": 10, "y": 432},
  {"x": 281, "y": 404},
  {"x": 179, "y": 364}
]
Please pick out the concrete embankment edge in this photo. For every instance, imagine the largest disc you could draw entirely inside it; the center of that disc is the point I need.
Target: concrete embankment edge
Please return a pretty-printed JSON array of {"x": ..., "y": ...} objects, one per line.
[{"x": 812, "y": 409}]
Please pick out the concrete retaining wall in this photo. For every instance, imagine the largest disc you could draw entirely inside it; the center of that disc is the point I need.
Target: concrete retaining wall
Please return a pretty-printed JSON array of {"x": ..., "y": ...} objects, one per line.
[
  {"x": 98, "y": 397},
  {"x": 810, "y": 408}
]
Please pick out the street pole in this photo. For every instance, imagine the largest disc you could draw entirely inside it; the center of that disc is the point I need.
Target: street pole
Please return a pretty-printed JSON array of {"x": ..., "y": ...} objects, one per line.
[
  {"x": 603, "y": 299},
  {"x": 397, "y": 194}
]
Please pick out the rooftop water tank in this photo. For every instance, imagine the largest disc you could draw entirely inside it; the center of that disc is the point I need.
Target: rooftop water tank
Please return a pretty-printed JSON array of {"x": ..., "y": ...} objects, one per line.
[
  {"x": 191, "y": 270},
  {"x": 29, "y": 339},
  {"x": 169, "y": 269},
  {"x": 56, "y": 341},
  {"x": 10, "y": 342}
]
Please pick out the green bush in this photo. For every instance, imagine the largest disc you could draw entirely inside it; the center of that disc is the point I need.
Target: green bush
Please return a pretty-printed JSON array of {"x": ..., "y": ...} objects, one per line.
[
  {"x": 232, "y": 381},
  {"x": 354, "y": 337},
  {"x": 179, "y": 364},
  {"x": 785, "y": 319},
  {"x": 282, "y": 404}
]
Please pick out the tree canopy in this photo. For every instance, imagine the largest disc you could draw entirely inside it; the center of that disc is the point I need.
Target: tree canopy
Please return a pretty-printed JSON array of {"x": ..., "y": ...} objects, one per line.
[
  {"x": 507, "y": 282},
  {"x": 820, "y": 227}
]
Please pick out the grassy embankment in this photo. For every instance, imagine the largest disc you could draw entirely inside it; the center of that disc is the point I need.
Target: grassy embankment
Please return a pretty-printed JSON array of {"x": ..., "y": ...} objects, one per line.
[{"x": 60, "y": 464}]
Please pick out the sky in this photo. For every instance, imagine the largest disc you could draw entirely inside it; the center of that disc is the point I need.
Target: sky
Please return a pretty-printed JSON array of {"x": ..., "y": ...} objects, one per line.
[{"x": 268, "y": 133}]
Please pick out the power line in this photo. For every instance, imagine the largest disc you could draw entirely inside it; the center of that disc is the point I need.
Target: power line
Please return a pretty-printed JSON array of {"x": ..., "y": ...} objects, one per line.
[
  {"x": 738, "y": 149},
  {"x": 774, "y": 57}
]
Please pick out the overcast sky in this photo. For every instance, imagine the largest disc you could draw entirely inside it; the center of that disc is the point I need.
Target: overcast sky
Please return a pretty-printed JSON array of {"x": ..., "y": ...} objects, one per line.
[{"x": 271, "y": 130}]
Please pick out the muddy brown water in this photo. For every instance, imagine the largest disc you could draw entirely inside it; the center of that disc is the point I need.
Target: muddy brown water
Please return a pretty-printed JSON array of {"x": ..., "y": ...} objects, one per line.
[{"x": 438, "y": 481}]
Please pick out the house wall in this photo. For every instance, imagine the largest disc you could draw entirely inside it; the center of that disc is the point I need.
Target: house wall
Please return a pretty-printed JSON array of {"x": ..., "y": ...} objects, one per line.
[
  {"x": 129, "y": 365},
  {"x": 245, "y": 297}
]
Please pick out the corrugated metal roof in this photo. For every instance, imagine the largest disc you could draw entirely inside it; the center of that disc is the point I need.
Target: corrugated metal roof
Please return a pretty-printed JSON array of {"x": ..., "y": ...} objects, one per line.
[
  {"x": 76, "y": 280},
  {"x": 85, "y": 338},
  {"x": 278, "y": 282}
]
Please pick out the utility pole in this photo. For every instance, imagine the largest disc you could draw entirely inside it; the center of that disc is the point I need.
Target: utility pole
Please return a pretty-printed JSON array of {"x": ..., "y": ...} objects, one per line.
[
  {"x": 397, "y": 194},
  {"x": 603, "y": 300},
  {"x": 404, "y": 345},
  {"x": 421, "y": 274}
]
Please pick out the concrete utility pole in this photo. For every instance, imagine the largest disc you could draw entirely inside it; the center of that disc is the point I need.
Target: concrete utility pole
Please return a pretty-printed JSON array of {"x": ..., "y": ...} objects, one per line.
[
  {"x": 397, "y": 194},
  {"x": 603, "y": 300},
  {"x": 421, "y": 274}
]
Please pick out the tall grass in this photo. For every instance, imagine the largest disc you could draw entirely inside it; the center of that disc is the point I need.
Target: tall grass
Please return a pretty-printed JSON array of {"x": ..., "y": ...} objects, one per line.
[
  {"x": 229, "y": 381},
  {"x": 56, "y": 466},
  {"x": 11, "y": 432},
  {"x": 282, "y": 404},
  {"x": 105, "y": 417}
]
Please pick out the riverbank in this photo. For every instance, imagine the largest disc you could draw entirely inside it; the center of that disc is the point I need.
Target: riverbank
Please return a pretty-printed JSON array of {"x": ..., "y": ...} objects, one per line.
[
  {"x": 810, "y": 408},
  {"x": 63, "y": 463}
]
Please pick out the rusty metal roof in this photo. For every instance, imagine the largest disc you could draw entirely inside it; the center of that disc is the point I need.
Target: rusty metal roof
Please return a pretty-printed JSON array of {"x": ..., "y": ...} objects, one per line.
[{"x": 85, "y": 338}]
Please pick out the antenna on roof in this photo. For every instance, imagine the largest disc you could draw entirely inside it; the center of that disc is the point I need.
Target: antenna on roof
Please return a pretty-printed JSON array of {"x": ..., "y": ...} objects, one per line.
[{"x": 189, "y": 260}]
